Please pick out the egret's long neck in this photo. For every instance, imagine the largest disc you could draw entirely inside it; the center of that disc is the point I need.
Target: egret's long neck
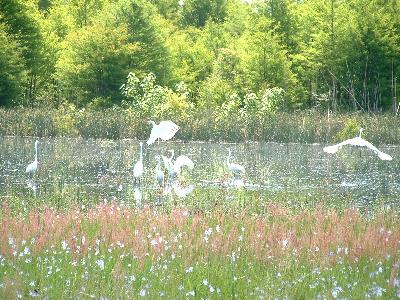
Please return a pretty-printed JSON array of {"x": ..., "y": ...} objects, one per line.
[
  {"x": 229, "y": 157},
  {"x": 361, "y": 130}
]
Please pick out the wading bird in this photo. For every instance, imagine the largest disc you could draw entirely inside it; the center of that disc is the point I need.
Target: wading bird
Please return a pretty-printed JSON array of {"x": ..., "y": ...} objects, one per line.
[
  {"x": 32, "y": 167},
  {"x": 165, "y": 131},
  {"x": 174, "y": 168},
  {"x": 358, "y": 141},
  {"x": 138, "y": 168},
  {"x": 236, "y": 169}
]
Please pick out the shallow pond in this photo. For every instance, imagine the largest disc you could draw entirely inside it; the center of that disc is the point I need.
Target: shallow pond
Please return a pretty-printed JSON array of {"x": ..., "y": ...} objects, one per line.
[{"x": 102, "y": 170}]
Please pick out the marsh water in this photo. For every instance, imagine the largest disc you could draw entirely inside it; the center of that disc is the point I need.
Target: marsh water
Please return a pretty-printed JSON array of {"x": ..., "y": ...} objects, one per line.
[{"x": 102, "y": 170}]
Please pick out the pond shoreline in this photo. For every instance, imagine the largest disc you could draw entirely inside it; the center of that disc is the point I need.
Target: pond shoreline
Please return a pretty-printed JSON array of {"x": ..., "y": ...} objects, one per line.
[{"x": 202, "y": 125}]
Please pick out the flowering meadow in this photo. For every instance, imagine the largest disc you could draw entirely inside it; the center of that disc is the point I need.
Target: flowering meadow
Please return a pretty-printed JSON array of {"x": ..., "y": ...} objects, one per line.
[{"x": 112, "y": 251}]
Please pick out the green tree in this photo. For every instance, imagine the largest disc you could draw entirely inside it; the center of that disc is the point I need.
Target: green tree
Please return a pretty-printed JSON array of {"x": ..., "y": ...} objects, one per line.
[
  {"x": 21, "y": 19},
  {"x": 197, "y": 13},
  {"x": 263, "y": 59},
  {"x": 144, "y": 29},
  {"x": 12, "y": 69},
  {"x": 94, "y": 63}
]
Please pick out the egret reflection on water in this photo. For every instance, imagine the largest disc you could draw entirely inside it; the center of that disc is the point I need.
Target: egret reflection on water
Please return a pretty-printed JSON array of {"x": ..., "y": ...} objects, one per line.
[
  {"x": 138, "y": 196},
  {"x": 159, "y": 173},
  {"x": 33, "y": 185},
  {"x": 358, "y": 141},
  {"x": 182, "y": 192},
  {"x": 138, "y": 168}
]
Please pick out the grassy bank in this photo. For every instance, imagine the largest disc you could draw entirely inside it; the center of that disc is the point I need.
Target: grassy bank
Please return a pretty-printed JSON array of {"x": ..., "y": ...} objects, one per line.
[
  {"x": 111, "y": 251},
  {"x": 200, "y": 124}
]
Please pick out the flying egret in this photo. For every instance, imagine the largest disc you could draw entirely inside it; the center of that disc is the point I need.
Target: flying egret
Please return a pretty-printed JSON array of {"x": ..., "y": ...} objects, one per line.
[
  {"x": 159, "y": 173},
  {"x": 165, "y": 131},
  {"x": 359, "y": 142},
  {"x": 236, "y": 169},
  {"x": 174, "y": 168},
  {"x": 32, "y": 167},
  {"x": 138, "y": 168}
]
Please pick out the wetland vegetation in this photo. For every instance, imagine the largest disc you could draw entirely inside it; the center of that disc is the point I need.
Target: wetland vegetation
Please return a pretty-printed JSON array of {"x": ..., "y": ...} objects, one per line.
[{"x": 274, "y": 81}]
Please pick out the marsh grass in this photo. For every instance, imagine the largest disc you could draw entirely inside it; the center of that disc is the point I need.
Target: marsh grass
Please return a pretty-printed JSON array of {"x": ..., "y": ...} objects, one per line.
[
  {"x": 212, "y": 125},
  {"x": 114, "y": 251}
]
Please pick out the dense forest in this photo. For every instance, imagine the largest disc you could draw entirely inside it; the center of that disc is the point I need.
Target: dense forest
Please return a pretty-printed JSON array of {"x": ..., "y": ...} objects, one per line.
[{"x": 261, "y": 55}]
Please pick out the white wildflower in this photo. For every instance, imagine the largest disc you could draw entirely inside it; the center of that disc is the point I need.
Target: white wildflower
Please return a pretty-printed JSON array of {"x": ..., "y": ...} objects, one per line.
[
  {"x": 100, "y": 263},
  {"x": 335, "y": 291},
  {"x": 64, "y": 245}
]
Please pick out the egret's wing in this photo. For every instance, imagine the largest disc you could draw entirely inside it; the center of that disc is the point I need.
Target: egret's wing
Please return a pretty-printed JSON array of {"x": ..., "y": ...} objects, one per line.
[
  {"x": 334, "y": 148},
  {"x": 154, "y": 135},
  {"x": 384, "y": 156},
  {"x": 31, "y": 167},
  {"x": 380, "y": 154},
  {"x": 167, "y": 129},
  {"x": 169, "y": 124},
  {"x": 236, "y": 168},
  {"x": 181, "y": 161}
]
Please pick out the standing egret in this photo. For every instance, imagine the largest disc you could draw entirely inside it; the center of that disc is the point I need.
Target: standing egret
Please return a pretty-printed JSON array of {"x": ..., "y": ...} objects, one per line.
[
  {"x": 138, "y": 168},
  {"x": 236, "y": 169},
  {"x": 165, "y": 131},
  {"x": 358, "y": 141},
  {"x": 174, "y": 168},
  {"x": 33, "y": 166},
  {"x": 159, "y": 173}
]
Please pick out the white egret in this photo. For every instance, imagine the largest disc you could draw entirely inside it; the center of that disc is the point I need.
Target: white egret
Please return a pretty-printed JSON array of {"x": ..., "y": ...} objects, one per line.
[
  {"x": 165, "y": 131},
  {"x": 174, "y": 168},
  {"x": 159, "y": 173},
  {"x": 138, "y": 168},
  {"x": 33, "y": 166},
  {"x": 236, "y": 169},
  {"x": 358, "y": 141}
]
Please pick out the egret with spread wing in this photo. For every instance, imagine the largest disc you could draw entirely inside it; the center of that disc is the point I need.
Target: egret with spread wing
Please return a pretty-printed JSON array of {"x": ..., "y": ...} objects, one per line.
[
  {"x": 165, "y": 131},
  {"x": 174, "y": 168},
  {"x": 358, "y": 141}
]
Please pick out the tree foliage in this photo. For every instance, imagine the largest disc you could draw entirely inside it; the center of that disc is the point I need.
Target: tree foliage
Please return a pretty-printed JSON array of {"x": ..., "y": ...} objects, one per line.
[{"x": 228, "y": 53}]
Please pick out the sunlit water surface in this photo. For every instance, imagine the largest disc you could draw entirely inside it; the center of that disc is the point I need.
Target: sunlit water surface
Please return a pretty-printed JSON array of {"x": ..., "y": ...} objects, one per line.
[{"x": 103, "y": 170}]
